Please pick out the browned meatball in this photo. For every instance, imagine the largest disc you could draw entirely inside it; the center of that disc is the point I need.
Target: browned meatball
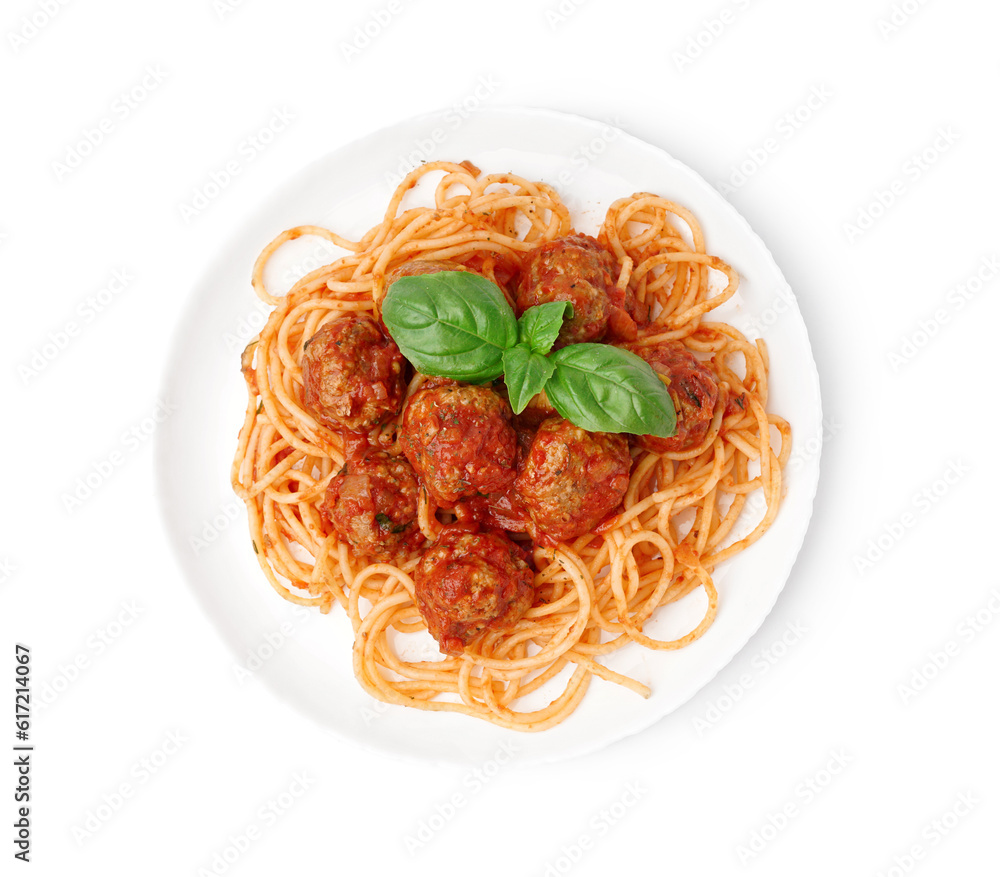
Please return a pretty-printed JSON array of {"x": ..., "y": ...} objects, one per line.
[
  {"x": 416, "y": 269},
  {"x": 372, "y": 504},
  {"x": 422, "y": 266},
  {"x": 694, "y": 389},
  {"x": 579, "y": 270},
  {"x": 471, "y": 582},
  {"x": 572, "y": 479},
  {"x": 460, "y": 440},
  {"x": 499, "y": 269},
  {"x": 502, "y": 269},
  {"x": 353, "y": 374}
]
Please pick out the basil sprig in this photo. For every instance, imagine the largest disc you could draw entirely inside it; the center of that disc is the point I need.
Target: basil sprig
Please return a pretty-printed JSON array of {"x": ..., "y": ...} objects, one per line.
[{"x": 458, "y": 325}]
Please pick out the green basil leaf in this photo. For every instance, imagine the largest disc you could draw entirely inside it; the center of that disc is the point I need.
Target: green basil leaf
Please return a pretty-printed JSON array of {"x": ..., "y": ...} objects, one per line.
[
  {"x": 452, "y": 324},
  {"x": 525, "y": 374},
  {"x": 539, "y": 325},
  {"x": 602, "y": 388}
]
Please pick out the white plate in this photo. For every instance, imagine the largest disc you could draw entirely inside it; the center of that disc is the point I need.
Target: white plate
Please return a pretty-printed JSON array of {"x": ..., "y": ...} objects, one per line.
[{"x": 305, "y": 657}]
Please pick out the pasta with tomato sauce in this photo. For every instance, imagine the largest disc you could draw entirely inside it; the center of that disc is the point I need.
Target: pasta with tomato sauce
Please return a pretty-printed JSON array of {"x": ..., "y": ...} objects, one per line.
[{"x": 527, "y": 546}]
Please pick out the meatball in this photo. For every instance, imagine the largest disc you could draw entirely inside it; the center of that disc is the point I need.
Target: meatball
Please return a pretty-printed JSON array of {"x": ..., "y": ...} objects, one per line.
[
  {"x": 423, "y": 266},
  {"x": 460, "y": 440},
  {"x": 372, "y": 505},
  {"x": 694, "y": 389},
  {"x": 576, "y": 269},
  {"x": 471, "y": 582},
  {"x": 416, "y": 269},
  {"x": 353, "y": 374},
  {"x": 572, "y": 478},
  {"x": 501, "y": 269}
]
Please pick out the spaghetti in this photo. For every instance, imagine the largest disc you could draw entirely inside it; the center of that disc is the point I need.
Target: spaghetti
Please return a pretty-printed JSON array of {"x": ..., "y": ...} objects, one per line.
[{"x": 593, "y": 594}]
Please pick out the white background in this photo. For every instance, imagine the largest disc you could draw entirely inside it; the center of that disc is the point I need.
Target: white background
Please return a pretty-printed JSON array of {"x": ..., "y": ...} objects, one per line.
[{"x": 866, "y": 746}]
